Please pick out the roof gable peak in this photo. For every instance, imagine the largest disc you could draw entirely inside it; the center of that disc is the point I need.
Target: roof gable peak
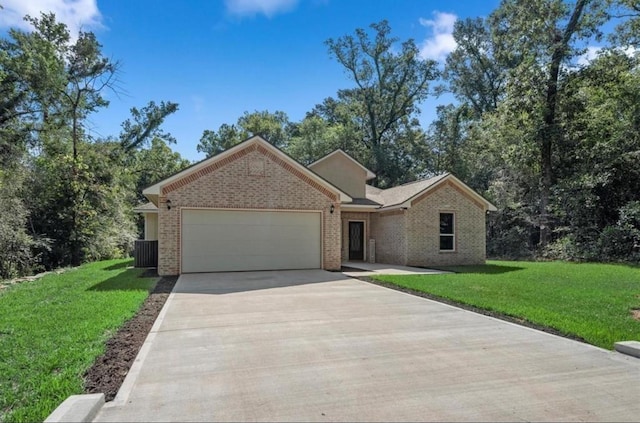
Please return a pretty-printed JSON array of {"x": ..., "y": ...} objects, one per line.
[
  {"x": 154, "y": 190},
  {"x": 339, "y": 151}
]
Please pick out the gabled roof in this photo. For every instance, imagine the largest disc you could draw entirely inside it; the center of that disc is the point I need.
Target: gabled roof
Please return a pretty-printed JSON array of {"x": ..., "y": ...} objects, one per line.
[
  {"x": 400, "y": 194},
  {"x": 154, "y": 190},
  {"x": 403, "y": 195},
  {"x": 370, "y": 174}
]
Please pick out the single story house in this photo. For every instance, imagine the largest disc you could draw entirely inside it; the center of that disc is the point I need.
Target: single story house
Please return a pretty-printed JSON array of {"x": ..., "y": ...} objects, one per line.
[{"x": 252, "y": 207}]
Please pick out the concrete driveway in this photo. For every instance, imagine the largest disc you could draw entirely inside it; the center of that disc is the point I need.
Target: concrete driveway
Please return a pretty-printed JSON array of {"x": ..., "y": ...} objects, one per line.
[{"x": 318, "y": 346}]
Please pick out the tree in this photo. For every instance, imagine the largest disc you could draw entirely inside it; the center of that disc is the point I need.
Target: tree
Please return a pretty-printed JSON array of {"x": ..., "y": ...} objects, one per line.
[
  {"x": 446, "y": 137},
  {"x": 598, "y": 179},
  {"x": 155, "y": 163},
  {"x": 543, "y": 33},
  {"x": 274, "y": 127},
  {"x": 474, "y": 73},
  {"x": 145, "y": 123},
  {"x": 627, "y": 15},
  {"x": 314, "y": 138},
  {"x": 327, "y": 127},
  {"x": 88, "y": 74},
  {"x": 80, "y": 192},
  {"x": 389, "y": 87},
  {"x": 18, "y": 253}
]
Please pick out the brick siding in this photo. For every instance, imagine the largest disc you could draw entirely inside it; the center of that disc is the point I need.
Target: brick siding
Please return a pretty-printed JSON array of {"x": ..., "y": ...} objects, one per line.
[
  {"x": 389, "y": 230},
  {"x": 252, "y": 178},
  {"x": 423, "y": 229}
]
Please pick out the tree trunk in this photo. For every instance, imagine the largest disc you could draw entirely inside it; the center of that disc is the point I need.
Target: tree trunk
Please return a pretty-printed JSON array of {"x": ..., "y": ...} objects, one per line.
[
  {"x": 75, "y": 238},
  {"x": 549, "y": 131}
]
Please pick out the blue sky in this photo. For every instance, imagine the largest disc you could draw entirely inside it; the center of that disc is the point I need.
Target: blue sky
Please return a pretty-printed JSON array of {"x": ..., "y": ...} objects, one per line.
[{"x": 218, "y": 59}]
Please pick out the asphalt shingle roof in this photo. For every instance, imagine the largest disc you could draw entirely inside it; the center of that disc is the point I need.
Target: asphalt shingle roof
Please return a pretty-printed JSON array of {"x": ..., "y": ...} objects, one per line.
[{"x": 398, "y": 195}]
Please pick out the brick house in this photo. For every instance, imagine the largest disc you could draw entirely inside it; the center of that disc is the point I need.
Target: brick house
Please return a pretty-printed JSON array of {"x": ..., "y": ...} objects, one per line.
[{"x": 252, "y": 207}]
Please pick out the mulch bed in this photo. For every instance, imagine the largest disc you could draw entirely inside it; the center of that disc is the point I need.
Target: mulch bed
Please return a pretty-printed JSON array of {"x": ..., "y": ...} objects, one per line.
[{"x": 109, "y": 370}]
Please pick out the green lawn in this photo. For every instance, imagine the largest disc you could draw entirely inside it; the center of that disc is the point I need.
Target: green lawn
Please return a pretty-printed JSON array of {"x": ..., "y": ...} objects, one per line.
[
  {"x": 591, "y": 301},
  {"x": 52, "y": 329}
]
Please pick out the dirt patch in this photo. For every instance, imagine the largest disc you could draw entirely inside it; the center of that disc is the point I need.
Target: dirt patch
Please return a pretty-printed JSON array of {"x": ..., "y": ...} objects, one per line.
[
  {"x": 635, "y": 313},
  {"x": 109, "y": 370}
]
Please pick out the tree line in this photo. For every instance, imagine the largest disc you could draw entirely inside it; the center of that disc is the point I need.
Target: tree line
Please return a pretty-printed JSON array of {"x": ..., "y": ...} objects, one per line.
[
  {"x": 549, "y": 137},
  {"x": 68, "y": 195},
  {"x": 547, "y": 134}
]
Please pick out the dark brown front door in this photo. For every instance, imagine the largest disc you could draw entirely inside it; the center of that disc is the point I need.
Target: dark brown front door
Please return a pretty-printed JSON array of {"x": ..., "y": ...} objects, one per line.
[{"x": 356, "y": 240}]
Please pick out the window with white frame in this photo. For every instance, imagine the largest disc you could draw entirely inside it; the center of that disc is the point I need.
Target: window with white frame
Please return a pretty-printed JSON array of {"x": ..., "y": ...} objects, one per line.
[{"x": 447, "y": 232}]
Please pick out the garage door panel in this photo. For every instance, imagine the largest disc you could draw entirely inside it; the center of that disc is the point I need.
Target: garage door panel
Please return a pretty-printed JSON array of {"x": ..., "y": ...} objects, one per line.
[
  {"x": 203, "y": 236},
  {"x": 226, "y": 240},
  {"x": 256, "y": 262},
  {"x": 249, "y": 247}
]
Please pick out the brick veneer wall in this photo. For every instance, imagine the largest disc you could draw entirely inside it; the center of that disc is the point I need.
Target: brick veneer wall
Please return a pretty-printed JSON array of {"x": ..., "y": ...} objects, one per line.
[
  {"x": 346, "y": 217},
  {"x": 252, "y": 178},
  {"x": 423, "y": 229},
  {"x": 389, "y": 231}
]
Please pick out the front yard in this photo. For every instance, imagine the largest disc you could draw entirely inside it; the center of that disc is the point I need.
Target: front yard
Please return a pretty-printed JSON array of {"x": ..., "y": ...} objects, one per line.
[
  {"x": 594, "y": 302},
  {"x": 52, "y": 330}
]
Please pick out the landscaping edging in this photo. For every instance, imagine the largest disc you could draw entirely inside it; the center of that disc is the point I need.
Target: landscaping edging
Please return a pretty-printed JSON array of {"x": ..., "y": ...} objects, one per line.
[{"x": 108, "y": 372}]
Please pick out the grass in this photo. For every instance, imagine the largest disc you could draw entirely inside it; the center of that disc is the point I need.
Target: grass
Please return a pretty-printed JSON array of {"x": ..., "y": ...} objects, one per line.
[
  {"x": 589, "y": 301},
  {"x": 52, "y": 330}
]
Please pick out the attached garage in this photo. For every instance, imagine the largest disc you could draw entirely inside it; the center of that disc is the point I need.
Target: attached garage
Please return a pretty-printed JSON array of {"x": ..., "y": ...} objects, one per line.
[{"x": 234, "y": 240}]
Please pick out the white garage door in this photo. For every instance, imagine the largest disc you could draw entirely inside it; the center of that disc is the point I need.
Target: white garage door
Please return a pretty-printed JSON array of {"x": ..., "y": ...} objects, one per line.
[{"x": 230, "y": 240}]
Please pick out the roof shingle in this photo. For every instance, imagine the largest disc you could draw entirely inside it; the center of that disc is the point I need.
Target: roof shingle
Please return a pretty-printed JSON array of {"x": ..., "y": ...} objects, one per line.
[{"x": 398, "y": 195}]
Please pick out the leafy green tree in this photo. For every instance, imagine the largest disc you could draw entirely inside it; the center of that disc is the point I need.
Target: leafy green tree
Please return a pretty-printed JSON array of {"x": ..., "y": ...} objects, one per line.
[
  {"x": 329, "y": 126},
  {"x": 274, "y": 127},
  {"x": 542, "y": 35},
  {"x": 390, "y": 84},
  {"x": 145, "y": 124},
  {"x": 89, "y": 73},
  {"x": 150, "y": 165},
  {"x": 18, "y": 249},
  {"x": 627, "y": 15},
  {"x": 80, "y": 191},
  {"x": 155, "y": 163},
  {"x": 597, "y": 172},
  {"x": 314, "y": 138},
  {"x": 446, "y": 137},
  {"x": 473, "y": 72}
]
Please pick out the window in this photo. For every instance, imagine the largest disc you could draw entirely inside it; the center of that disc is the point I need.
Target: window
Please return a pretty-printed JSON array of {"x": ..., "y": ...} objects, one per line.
[{"x": 447, "y": 232}]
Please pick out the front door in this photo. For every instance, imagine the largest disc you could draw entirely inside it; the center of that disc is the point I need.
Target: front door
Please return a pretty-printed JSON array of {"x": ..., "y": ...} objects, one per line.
[{"x": 356, "y": 240}]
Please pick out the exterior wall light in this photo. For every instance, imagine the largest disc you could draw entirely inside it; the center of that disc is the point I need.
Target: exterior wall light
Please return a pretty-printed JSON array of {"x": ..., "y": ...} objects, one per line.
[
  {"x": 168, "y": 204},
  {"x": 331, "y": 209}
]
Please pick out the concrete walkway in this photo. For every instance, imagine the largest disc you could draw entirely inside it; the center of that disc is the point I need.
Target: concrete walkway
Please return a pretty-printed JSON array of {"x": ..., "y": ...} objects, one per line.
[
  {"x": 368, "y": 269},
  {"x": 317, "y": 346}
]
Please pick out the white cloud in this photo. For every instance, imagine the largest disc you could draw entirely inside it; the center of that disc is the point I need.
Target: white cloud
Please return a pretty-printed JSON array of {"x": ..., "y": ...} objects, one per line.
[
  {"x": 76, "y": 14},
  {"x": 268, "y": 8},
  {"x": 441, "y": 42},
  {"x": 593, "y": 52},
  {"x": 589, "y": 55}
]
